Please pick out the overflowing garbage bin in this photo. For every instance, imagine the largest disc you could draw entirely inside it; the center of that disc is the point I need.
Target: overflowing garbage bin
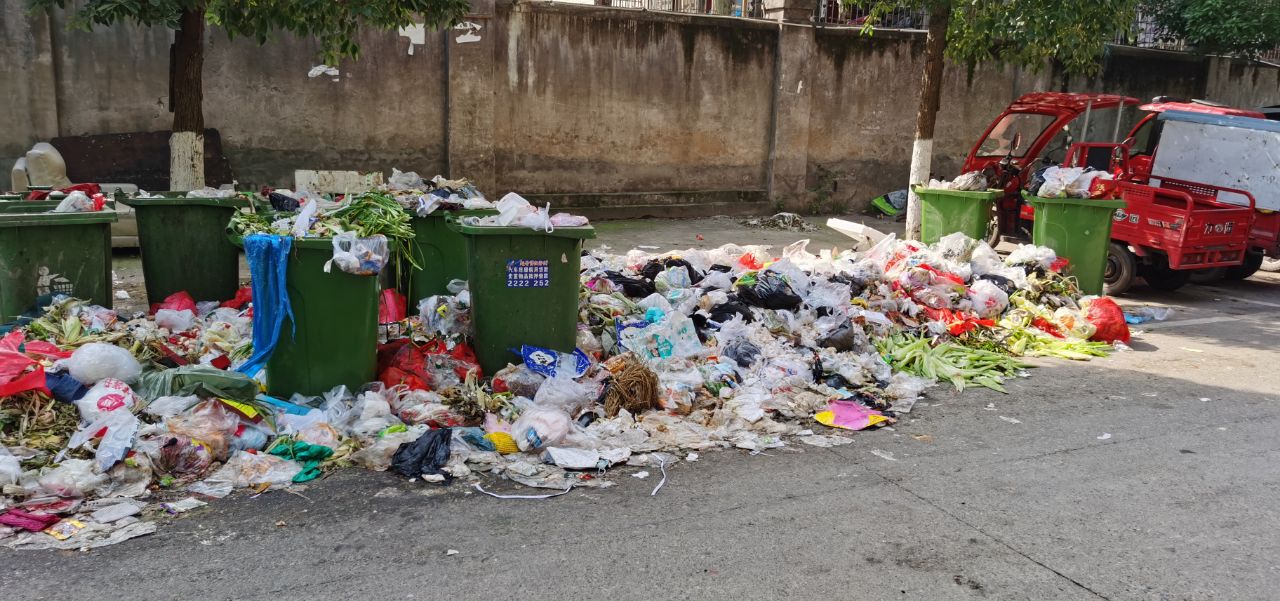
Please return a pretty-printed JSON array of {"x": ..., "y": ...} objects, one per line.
[
  {"x": 524, "y": 289},
  {"x": 945, "y": 212},
  {"x": 185, "y": 247},
  {"x": 1078, "y": 229},
  {"x": 44, "y": 254},
  {"x": 441, "y": 253},
  {"x": 333, "y": 338}
]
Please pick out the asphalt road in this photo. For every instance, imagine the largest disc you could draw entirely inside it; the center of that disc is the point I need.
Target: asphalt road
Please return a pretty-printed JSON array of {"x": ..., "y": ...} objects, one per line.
[{"x": 1153, "y": 474}]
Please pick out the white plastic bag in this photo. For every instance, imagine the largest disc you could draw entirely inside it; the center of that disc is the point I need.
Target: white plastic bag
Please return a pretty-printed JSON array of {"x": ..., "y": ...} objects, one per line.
[
  {"x": 121, "y": 428},
  {"x": 104, "y": 397},
  {"x": 75, "y": 202},
  {"x": 175, "y": 321},
  {"x": 1079, "y": 188},
  {"x": 1056, "y": 181},
  {"x": 98, "y": 360},
  {"x": 359, "y": 256}
]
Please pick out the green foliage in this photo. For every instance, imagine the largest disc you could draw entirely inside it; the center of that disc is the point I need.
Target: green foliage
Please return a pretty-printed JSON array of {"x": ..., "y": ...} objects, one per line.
[
  {"x": 335, "y": 23},
  {"x": 1233, "y": 27},
  {"x": 1026, "y": 33}
]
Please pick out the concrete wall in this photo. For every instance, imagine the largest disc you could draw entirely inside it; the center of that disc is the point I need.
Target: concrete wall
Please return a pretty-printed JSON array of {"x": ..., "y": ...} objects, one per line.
[{"x": 639, "y": 112}]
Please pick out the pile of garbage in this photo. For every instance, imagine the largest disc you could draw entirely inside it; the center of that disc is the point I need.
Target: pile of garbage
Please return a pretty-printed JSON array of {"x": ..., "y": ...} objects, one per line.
[{"x": 107, "y": 421}]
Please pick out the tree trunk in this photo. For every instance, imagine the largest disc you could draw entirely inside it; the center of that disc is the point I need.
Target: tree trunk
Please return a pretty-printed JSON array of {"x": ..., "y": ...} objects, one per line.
[
  {"x": 927, "y": 114},
  {"x": 186, "y": 143}
]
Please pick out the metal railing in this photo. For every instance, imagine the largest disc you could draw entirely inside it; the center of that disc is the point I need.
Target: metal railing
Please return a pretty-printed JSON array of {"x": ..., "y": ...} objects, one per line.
[
  {"x": 835, "y": 12},
  {"x": 1145, "y": 32},
  {"x": 733, "y": 8}
]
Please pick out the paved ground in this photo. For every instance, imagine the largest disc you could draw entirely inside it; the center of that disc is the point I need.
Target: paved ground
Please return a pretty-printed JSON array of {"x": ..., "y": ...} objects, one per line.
[{"x": 1177, "y": 503}]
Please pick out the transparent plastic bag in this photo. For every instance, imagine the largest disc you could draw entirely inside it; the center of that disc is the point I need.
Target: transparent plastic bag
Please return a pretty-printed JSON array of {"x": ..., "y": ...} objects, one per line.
[
  {"x": 565, "y": 394},
  {"x": 209, "y": 422},
  {"x": 245, "y": 469},
  {"x": 166, "y": 407},
  {"x": 10, "y": 468},
  {"x": 72, "y": 478},
  {"x": 359, "y": 256},
  {"x": 988, "y": 299},
  {"x": 540, "y": 427},
  {"x": 120, "y": 428}
]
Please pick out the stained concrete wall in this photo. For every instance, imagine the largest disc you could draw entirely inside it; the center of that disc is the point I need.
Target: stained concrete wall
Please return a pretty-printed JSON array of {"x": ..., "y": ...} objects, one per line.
[
  {"x": 641, "y": 112},
  {"x": 601, "y": 101}
]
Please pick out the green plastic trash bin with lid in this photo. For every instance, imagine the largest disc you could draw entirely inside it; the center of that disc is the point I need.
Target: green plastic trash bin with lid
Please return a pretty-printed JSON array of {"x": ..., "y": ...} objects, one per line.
[
  {"x": 944, "y": 212},
  {"x": 333, "y": 338},
  {"x": 1078, "y": 229},
  {"x": 184, "y": 245},
  {"x": 524, "y": 289},
  {"x": 43, "y": 254},
  {"x": 441, "y": 254}
]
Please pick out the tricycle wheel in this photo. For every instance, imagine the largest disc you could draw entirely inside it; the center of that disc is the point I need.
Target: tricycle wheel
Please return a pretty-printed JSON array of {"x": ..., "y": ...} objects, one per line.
[
  {"x": 1122, "y": 269},
  {"x": 993, "y": 226},
  {"x": 1160, "y": 276},
  {"x": 1252, "y": 263},
  {"x": 1270, "y": 265}
]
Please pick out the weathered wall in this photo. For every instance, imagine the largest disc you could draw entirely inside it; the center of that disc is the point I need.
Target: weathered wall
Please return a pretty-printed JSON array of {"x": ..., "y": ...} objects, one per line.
[
  {"x": 584, "y": 106},
  {"x": 27, "y": 100},
  {"x": 596, "y": 100}
]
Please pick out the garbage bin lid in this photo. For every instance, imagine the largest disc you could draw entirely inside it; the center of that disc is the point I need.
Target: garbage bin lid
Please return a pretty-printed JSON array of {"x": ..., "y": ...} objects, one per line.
[
  {"x": 235, "y": 202},
  {"x": 580, "y": 233},
  {"x": 1084, "y": 202},
  {"x": 56, "y": 219},
  {"x": 988, "y": 194}
]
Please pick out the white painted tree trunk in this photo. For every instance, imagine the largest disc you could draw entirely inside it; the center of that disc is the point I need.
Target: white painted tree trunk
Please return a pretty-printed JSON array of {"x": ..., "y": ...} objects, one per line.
[
  {"x": 921, "y": 161},
  {"x": 186, "y": 161}
]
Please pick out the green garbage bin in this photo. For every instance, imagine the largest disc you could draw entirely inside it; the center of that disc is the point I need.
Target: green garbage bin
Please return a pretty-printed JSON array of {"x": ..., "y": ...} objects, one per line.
[
  {"x": 944, "y": 212},
  {"x": 333, "y": 339},
  {"x": 1078, "y": 229},
  {"x": 54, "y": 253},
  {"x": 184, "y": 245},
  {"x": 524, "y": 289},
  {"x": 440, "y": 251}
]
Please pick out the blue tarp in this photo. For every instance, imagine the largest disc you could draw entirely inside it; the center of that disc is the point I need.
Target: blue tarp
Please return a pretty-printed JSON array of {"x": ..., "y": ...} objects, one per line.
[{"x": 268, "y": 258}]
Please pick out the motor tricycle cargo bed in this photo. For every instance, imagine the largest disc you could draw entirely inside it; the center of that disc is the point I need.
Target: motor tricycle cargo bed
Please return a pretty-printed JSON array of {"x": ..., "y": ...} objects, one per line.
[{"x": 1185, "y": 221}]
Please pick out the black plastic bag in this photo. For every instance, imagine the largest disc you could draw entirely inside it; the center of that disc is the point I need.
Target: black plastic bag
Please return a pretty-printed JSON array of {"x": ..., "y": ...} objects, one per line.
[
  {"x": 726, "y": 310},
  {"x": 769, "y": 292},
  {"x": 1004, "y": 284},
  {"x": 424, "y": 456},
  {"x": 743, "y": 352},
  {"x": 631, "y": 287},
  {"x": 654, "y": 267},
  {"x": 280, "y": 202},
  {"x": 844, "y": 337}
]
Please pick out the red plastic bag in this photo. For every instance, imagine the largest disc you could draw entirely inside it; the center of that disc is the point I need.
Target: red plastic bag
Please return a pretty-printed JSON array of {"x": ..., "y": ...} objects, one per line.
[
  {"x": 178, "y": 301},
  {"x": 392, "y": 307},
  {"x": 243, "y": 297},
  {"x": 1108, "y": 317},
  {"x": 14, "y": 365}
]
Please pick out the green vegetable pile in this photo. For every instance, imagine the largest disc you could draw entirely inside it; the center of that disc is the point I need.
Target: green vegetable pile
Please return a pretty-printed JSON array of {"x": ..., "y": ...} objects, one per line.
[{"x": 937, "y": 360}]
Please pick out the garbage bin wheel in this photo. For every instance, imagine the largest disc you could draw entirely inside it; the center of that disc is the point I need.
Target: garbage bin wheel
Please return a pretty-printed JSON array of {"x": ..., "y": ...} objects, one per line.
[
  {"x": 1252, "y": 263},
  {"x": 1121, "y": 271},
  {"x": 1160, "y": 276}
]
